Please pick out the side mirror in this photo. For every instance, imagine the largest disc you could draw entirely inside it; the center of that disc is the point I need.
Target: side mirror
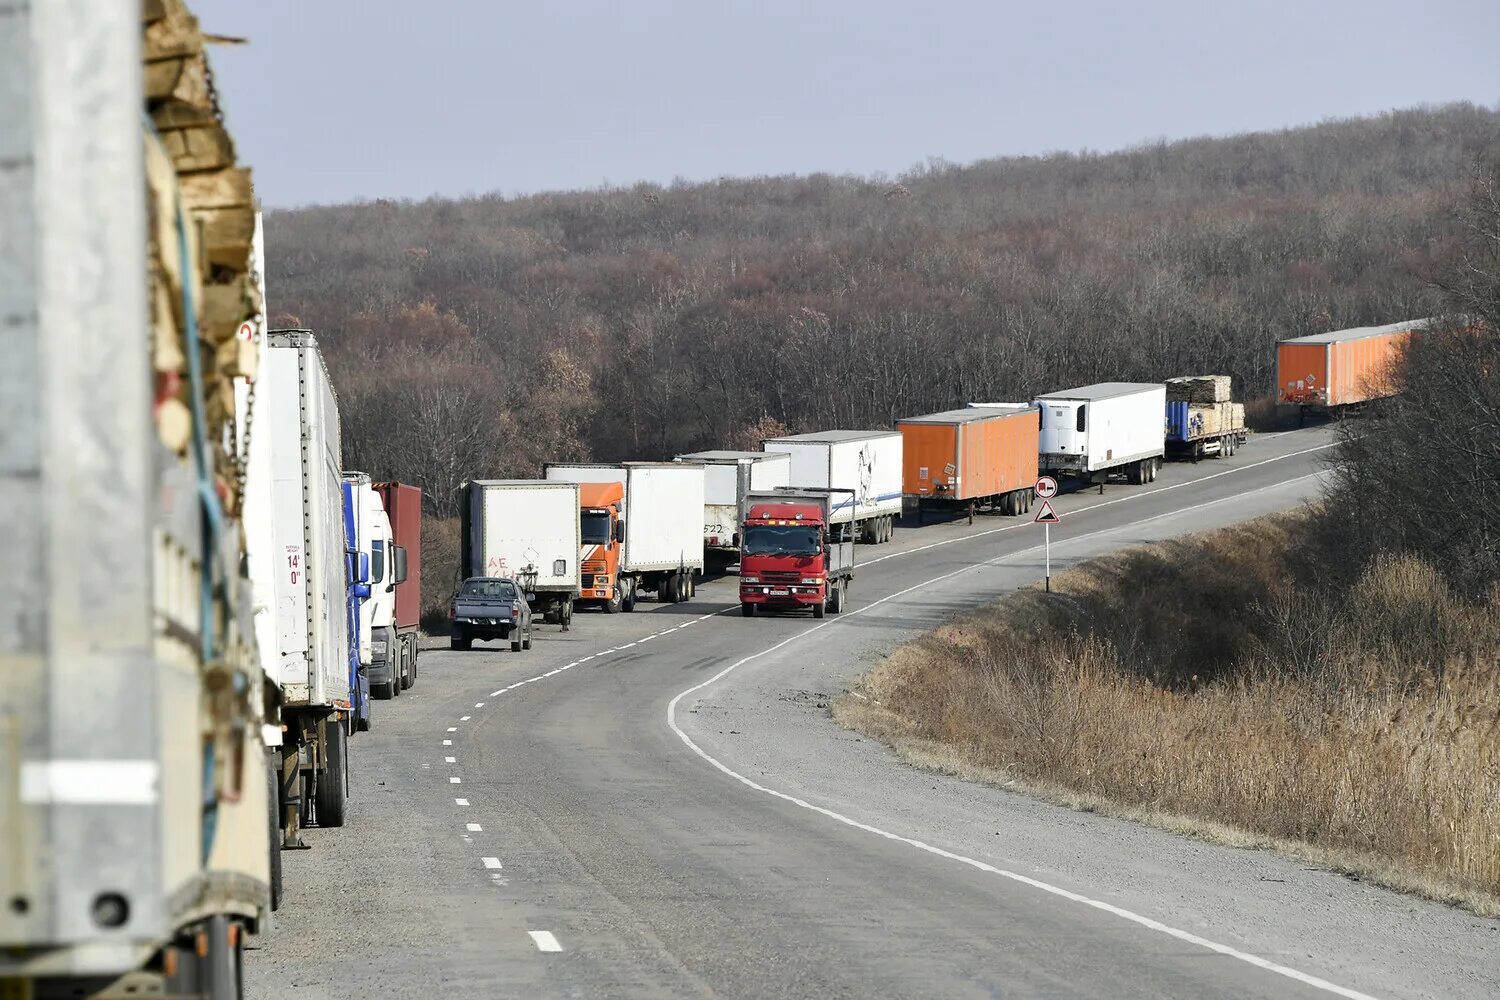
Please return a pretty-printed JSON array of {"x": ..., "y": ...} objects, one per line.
[
  {"x": 362, "y": 590},
  {"x": 399, "y": 552},
  {"x": 620, "y": 532},
  {"x": 363, "y": 576},
  {"x": 734, "y": 540}
]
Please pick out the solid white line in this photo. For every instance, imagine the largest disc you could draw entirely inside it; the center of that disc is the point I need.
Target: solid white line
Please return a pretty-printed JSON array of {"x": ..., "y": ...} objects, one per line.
[
  {"x": 496, "y": 694},
  {"x": 460, "y": 802},
  {"x": 1118, "y": 911},
  {"x": 475, "y": 828},
  {"x": 545, "y": 941},
  {"x": 492, "y": 862}
]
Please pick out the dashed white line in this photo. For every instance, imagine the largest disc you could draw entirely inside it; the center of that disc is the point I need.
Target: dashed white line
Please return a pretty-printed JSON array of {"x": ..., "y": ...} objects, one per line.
[
  {"x": 450, "y": 760},
  {"x": 493, "y": 863},
  {"x": 545, "y": 941},
  {"x": 460, "y": 802},
  {"x": 452, "y": 729},
  {"x": 475, "y": 828},
  {"x": 479, "y": 704},
  {"x": 447, "y": 743},
  {"x": 455, "y": 780},
  {"x": 464, "y": 718}
]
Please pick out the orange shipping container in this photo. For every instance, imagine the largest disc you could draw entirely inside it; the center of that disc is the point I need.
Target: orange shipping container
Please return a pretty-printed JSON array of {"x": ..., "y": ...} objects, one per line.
[
  {"x": 970, "y": 454},
  {"x": 1342, "y": 367}
]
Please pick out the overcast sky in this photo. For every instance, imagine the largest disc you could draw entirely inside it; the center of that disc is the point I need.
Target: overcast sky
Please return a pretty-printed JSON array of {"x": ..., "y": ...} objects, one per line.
[{"x": 335, "y": 100}]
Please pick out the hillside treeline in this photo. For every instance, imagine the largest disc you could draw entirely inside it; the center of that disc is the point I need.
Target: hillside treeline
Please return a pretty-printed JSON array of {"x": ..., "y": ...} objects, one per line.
[{"x": 480, "y": 337}]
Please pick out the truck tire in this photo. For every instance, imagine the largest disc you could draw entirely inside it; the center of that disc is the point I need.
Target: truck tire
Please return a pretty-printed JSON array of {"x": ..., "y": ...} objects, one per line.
[
  {"x": 329, "y": 795},
  {"x": 567, "y": 614},
  {"x": 413, "y": 649},
  {"x": 273, "y": 806},
  {"x": 747, "y": 611},
  {"x": 836, "y": 598},
  {"x": 616, "y": 599},
  {"x": 820, "y": 609},
  {"x": 628, "y": 605},
  {"x": 692, "y": 582},
  {"x": 515, "y": 644}
]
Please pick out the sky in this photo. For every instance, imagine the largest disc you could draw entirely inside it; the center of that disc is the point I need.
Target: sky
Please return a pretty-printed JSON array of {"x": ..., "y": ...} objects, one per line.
[{"x": 340, "y": 100}]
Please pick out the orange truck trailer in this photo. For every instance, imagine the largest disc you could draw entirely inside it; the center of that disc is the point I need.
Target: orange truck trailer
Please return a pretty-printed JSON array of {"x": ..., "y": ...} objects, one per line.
[
  {"x": 981, "y": 456},
  {"x": 1328, "y": 371}
]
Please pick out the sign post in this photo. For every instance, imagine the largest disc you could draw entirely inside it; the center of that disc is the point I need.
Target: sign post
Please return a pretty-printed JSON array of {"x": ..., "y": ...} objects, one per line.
[{"x": 1046, "y": 489}]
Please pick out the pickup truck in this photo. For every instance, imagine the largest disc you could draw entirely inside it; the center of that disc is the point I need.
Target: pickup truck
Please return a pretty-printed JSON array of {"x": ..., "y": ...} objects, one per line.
[{"x": 490, "y": 607}]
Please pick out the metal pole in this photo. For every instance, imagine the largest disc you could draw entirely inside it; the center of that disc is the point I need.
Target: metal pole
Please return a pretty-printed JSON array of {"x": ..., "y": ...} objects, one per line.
[{"x": 1047, "y": 547}]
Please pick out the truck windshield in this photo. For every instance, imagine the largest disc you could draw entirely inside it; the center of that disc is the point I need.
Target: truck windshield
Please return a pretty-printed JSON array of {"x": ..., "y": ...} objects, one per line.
[
  {"x": 595, "y": 528},
  {"x": 781, "y": 540},
  {"x": 498, "y": 589}
]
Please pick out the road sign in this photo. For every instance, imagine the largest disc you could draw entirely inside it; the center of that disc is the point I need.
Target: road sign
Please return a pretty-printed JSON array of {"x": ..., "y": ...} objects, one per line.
[
  {"x": 1046, "y": 515},
  {"x": 1046, "y": 488}
]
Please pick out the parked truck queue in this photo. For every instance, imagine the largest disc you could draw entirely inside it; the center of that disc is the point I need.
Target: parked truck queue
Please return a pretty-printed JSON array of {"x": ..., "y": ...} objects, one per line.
[{"x": 266, "y": 597}]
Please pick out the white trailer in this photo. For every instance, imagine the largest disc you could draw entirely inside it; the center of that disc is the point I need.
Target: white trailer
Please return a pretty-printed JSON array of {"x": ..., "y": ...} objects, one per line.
[
  {"x": 651, "y": 535},
  {"x": 728, "y": 478},
  {"x": 865, "y": 462},
  {"x": 375, "y": 586},
  {"x": 318, "y": 685},
  {"x": 525, "y": 529},
  {"x": 1096, "y": 431}
]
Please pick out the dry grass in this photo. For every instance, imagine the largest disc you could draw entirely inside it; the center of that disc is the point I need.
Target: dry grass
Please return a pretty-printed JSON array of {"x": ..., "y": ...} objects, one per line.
[{"x": 1205, "y": 686}]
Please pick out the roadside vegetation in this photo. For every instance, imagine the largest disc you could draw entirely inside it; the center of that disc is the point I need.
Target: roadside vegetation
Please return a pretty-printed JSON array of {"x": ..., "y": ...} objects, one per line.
[
  {"x": 1325, "y": 682},
  {"x": 480, "y": 337}
]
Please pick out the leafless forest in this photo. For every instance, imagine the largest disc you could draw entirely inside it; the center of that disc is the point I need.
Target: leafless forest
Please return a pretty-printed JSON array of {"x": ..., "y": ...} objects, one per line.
[{"x": 483, "y": 336}]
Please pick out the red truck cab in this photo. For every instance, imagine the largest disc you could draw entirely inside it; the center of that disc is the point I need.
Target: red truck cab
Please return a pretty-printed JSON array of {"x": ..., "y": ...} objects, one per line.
[{"x": 786, "y": 561}]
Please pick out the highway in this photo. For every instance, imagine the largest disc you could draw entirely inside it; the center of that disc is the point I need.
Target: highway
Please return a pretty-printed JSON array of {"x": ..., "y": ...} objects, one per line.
[{"x": 658, "y": 805}]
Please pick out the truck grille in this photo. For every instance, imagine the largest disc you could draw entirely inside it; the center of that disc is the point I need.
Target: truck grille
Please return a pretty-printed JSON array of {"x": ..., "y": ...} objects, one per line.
[
  {"x": 595, "y": 566},
  {"x": 780, "y": 576}
]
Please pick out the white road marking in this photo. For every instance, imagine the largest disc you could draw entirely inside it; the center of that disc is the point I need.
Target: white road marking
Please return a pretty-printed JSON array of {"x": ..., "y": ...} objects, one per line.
[
  {"x": 545, "y": 941},
  {"x": 475, "y": 828},
  {"x": 447, "y": 743},
  {"x": 479, "y": 704},
  {"x": 492, "y": 862},
  {"x": 460, "y": 802},
  {"x": 496, "y": 694},
  {"x": 450, "y": 760},
  {"x": 464, "y": 718},
  {"x": 452, "y": 729},
  {"x": 455, "y": 780},
  {"x": 1136, "y": 918}
]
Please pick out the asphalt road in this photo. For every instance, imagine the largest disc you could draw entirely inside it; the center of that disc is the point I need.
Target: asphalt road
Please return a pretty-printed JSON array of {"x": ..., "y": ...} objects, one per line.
[{"x": 658, "y": 805}]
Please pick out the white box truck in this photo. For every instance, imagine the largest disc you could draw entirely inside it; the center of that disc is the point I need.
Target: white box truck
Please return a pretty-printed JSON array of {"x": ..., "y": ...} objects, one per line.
[
  {"x": 642, "y": 530},
  {"x": 866, "y": 462},
  {"x": 318, "y": 682},
  {"x": 728, "y": 478},
  {"x": 376, "y": 570},
  {"x": 528, "y": 530},
  {"x": 1096, "y": 431}
]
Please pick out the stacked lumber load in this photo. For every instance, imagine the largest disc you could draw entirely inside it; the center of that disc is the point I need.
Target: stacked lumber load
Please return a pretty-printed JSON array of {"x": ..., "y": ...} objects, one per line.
[
  {"x": 201, "y": 221},
  {"x": 1198, "y": 389}
]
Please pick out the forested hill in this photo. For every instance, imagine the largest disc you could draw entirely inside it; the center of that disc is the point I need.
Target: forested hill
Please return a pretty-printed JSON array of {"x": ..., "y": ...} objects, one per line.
[{"x": 482, "y": 336}]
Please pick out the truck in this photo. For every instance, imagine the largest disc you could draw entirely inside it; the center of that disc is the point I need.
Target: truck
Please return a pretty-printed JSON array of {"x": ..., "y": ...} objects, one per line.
[
  {"x": 135, "y": 792},
  {"x": 790, "y": 558},
  {"x": 1201, "y": 418},
  {"x": 527, "y": 530},
  {"x": 376, "y": 567},
  {"x": 403, "y": 508},
  {"x": 864, "y": 467},
  {"x": 730, "y": 476},
  {"x": 1331, "y": 372},
  {"x": 641, "y": 530},
  {"x": 977, "y": 457},
  {"x": 322, "y": 685},
  {"x": 1096, "y": 431}
]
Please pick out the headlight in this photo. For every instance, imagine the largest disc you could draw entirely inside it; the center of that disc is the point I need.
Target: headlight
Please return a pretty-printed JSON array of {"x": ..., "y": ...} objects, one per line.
[
  {"x": 812, "y": 579},
  {"x": 749, "y": 579}
]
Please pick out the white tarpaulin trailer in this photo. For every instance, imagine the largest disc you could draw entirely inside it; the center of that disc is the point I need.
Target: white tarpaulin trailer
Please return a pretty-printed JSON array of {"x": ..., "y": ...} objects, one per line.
[{"x": 866, "y": 462}]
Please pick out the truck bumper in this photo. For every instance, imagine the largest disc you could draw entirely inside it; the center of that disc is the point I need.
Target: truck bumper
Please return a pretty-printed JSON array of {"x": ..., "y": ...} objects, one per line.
[{"x": 784, "y": 597}]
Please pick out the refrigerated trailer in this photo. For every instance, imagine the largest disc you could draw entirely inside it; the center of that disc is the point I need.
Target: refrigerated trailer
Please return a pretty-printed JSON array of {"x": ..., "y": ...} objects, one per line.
[
  {"x": 1327, "y": 372},
  {"x": 730, "y": 476},
  {"x": 134, "y": 788},
  {"x": 978, "y": 457},
  {"x": 641, "y": 528},
  {"x": 320, "y": 685},
  {"x": 403, "y": 508},
  {"x": 866, "y": 464},
  {"x": 1096, "y": 431},
  {"x": 525, "y": 529}
]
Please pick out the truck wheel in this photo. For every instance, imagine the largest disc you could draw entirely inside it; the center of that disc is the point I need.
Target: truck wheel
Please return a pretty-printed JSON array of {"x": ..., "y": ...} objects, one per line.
[
  {"x": 328, "y": 795},
  {"x": 820, "y": 609},
  {"x": 567, "y": 613},
  {"x": 273, "y": 806},
  {"x": 629, "y": 603},
  {"x": 515, "y": 644},
  {"x": 836, "y": 598},
  {"x": 526, "y": 642},
  {"x": 747, "y": 611},
  {"x": 692, "y": 584},
  {"x": 616, "y": 599},
  {"x": 411, "y": 660}
]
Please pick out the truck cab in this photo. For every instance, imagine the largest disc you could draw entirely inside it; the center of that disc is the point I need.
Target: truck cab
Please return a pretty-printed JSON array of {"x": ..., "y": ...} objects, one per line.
[
  {"x": 602, "y": 533},
  {"x": 787, "y": 561}
]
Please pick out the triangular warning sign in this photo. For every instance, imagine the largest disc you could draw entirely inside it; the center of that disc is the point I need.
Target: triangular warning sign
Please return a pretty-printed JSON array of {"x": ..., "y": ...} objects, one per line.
[{"x": 1046, "y": 515}]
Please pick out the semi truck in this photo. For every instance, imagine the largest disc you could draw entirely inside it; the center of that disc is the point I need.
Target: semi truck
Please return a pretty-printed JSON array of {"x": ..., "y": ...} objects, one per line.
[
  {"x": 321, "y": 684},
  {"x": 1328, "y": 372},
  {"x": 1201, "y": 418},
  {"x": 528, "y": 530},
  {"x": 376, "y": 569},
  {"x": 641, "y": 528},
  {"x": 1096, "y": 431},
  {"x": 977, "y": 457},
  {"x": 134, "y": 796},
  {"x": 863, "y": 466},
  {"x": 403, "y": 508},
  {"x": 790, "y": 558},
  {"x": 729, "y": 477}
]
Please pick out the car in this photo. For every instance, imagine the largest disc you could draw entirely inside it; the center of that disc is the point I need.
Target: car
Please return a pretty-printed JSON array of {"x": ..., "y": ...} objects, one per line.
[{"x": 490, "y": 607}]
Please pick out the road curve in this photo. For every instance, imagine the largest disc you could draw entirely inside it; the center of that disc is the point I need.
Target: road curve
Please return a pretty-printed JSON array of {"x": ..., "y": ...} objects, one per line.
[{"x": 657, "y": 804}]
